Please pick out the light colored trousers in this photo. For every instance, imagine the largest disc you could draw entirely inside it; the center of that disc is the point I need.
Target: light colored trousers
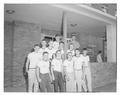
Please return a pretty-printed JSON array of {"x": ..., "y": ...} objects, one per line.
[
  {"x": 32, "y": 81},
  {"x": 70, "y": 84},
  {"x": 78, "y": 76},
  {"x": 88, "y": 78}
]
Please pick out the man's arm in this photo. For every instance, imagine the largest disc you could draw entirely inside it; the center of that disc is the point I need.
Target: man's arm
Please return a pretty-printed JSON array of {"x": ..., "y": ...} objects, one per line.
[
  {"x": 83, "y": 71},
  {"x": 78, "y": 45},
  {"x": 27, "y": 64},
  {"x": 52, "y": 69},
  {"x": 74, "y": 70},
  {"x": 37, "y": 74},
  {"x": 64, "y": 70},
  {"x": 52, "y": 74}
]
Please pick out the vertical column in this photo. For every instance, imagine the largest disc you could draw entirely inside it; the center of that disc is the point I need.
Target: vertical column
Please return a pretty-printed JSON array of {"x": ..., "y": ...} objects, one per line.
[
  {"x": 111, "y": 43},
  {"x": 12, "y": 53},
  {"x": 65, "y": 31}
]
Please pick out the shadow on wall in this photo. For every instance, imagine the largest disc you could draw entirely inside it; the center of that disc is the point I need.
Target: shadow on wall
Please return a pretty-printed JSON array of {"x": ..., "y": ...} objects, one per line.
[{"x": 25, "y": 74}]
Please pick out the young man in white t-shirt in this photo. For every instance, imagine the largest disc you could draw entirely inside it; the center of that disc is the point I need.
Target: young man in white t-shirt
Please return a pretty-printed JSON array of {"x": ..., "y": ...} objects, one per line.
[
  {"x": 56, "y": 42},
  {"x": 31, "y": 62},
  {"x": 71, "y": 49},
  {"x": 86, "y": 69},
  {"x": 78, "y": 64},
  {"x": 75, "y": 43},
  {"x": 69, "y": 73},
  {"x": 43, "y": 47},
  {"x": 99, "y": 57},
  {"x": 43, "y": 73},
  {"x": 61, "y": 48},
  {"x": 51, "y": 50},
  {"x": 57, "y": 66}
]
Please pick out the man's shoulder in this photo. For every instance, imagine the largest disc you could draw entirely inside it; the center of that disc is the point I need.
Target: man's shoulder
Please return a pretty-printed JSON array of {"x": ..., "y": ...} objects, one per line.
[
  {"x": 76, "y": 42},
  {"x": 30, "y": 53},
  {"x": 74, "y": 57},
  {"x": 53, "y": 60},
  {"x": 40, "y": 50},
  {"x": 54, "y": 42}
]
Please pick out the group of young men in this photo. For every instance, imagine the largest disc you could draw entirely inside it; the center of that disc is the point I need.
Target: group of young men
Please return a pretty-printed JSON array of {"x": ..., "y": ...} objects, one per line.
[{"x": 51, "y": 69}]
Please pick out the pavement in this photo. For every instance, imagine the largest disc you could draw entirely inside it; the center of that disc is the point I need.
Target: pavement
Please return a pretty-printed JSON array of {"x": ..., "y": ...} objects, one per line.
[{"x": 106, "y": 88}]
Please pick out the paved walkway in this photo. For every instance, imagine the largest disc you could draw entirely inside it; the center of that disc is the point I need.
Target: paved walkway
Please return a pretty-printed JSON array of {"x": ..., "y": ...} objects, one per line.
[{"x": 106, "y": 88}]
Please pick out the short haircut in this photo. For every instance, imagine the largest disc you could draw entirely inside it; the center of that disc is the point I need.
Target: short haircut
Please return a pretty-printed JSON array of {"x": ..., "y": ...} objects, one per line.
[
  {"x": 36, "y": 45},
  {"x": 69, "y": 53},
  {"x": 57, "y": 35},
  {"x": 77, "y": 49},
  {"x": 43, "y": 40},
  {"x": 57, "y": 51},
  {"x": 40, "y": 44},
  {"x": 84, "y": 49},
  {"x": 45, "y": 53},
  {"x": 61, "y": 42},
  {"x": 70, "y": 44},
  {"x": 99, "y": 51},
  {"x": 73, "y": 35}
]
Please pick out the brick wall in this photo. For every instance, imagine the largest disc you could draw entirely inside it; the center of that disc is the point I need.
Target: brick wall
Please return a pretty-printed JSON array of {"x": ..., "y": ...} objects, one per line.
[
  {"x": 25, "y": 36},
  {"x": 8, "y": 34}
]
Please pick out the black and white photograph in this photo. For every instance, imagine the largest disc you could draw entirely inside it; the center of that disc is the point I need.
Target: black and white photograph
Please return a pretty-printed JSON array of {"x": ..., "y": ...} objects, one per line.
[{"x": 61, "y": 48}]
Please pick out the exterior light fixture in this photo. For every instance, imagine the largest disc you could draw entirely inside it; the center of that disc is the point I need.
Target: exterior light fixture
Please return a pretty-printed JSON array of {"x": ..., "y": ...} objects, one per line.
[{"x": 10, "y": 11}]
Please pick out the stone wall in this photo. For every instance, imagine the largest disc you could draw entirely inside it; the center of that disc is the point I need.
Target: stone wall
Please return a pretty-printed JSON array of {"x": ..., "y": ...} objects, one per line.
[{"x": 103, "y": 73}]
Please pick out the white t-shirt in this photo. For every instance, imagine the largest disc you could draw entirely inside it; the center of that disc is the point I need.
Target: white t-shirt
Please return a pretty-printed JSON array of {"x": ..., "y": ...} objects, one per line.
[
  {"x": 62, "y": 52},
  {"x": 55, "y": 45},
  {"x": 72, "y": 51},
  {"x": 76, "y": 44},
  {"x": 44, "y": 66},
  {"x": 57, "y": 65},
  {"x": 34, "y": 58},
  {"x": 78, "y": 62},
  {"x": 86, "y": 60},
  {"x": 99, "y": 58},
  {"x": 68, "y": 65},
  {"x": 51, "y": 52}
]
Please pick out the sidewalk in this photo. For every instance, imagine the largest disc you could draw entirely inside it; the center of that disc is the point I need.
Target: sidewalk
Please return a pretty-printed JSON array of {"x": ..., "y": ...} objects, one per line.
[{"x": 106, "y": 88}]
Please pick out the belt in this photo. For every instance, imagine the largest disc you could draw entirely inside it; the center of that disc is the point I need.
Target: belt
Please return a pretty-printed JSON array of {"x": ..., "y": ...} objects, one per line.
[
  {"x": 32, "y": 68},
  {"x": 86, "y": 66},
  {"x": 44, "y": 73},
  {"x": 77, "y": 69},
  {"x": 57, "y": 71}
]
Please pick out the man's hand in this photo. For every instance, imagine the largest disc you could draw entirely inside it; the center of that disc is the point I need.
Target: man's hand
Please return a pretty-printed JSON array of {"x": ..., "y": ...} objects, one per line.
[
  {"x": 83, "y": 77},
  {"x": 53, "y": 78},
  {"x": 40, "y": 80},
  {"x": 27, "y": 70}
]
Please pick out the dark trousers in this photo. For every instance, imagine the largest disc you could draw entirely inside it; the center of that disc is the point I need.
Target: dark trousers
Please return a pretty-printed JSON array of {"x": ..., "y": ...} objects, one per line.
[
  {"x": 59, "y": 82},
  {"x": 45, "y": 84}
]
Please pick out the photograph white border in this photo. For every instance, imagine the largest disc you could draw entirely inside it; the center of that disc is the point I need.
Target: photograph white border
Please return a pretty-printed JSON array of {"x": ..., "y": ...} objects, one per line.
[{"x": 56, "y": 2}]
